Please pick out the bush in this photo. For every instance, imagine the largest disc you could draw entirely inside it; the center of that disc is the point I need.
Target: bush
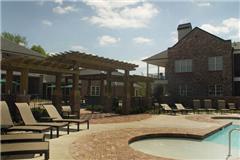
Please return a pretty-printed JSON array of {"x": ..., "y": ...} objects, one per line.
[
  {"x": 95, "y": 108},
  {"x": 39, "y": 112}
]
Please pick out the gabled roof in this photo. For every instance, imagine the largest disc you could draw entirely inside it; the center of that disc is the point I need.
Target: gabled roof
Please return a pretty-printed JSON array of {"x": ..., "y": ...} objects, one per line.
[
  {"x": 9, "y": 47},
  {"x": 194, "y": 29},
  {"x": 159, "y": 59}
]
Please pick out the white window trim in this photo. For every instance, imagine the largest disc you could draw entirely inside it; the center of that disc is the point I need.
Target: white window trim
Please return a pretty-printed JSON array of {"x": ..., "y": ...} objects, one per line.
[{"x": 93, "y": 92}]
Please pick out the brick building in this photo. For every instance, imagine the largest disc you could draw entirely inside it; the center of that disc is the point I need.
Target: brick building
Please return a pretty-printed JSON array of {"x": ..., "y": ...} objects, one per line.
[{"x": 200, "y": 65}]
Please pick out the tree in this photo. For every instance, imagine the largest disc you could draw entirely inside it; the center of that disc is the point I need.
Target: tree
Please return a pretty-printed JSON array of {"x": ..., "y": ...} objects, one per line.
[
  {"x": 39, "y": 49},
  {"x": 21, "y": 40}
]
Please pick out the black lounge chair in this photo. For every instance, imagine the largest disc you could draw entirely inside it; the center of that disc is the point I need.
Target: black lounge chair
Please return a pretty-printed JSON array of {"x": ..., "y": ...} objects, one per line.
[
  {"x": 29, "y": 119},
  {"x": 232, "y": 107},
  {"x": 197, "y": 106},
  {"x": 53, "y": 113},
  {"x": 7, "y": 124},
  {"x": 208, "y": 105},
  {"x": 222, "y": 106},
  {"x": 8, "y": 149}
]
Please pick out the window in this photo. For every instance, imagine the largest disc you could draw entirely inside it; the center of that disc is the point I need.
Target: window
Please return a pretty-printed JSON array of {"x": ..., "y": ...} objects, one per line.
[
  {"x": 183, "y": 90},
  {"x": 95, "y": 91},
  {"x": 215, "y": 63},
  {"x": 215, "y": 90},
  {"x": 183, "y": 65}
]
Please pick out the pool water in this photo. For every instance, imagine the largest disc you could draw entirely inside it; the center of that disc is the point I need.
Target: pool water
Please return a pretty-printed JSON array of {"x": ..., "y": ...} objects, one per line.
[
  {"x": 214, "y": 147},
  {"x": 221, "y": 137}
]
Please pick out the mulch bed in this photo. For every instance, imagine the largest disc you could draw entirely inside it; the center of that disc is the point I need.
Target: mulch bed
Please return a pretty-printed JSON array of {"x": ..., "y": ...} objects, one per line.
[{"x": 120, "y": 118}]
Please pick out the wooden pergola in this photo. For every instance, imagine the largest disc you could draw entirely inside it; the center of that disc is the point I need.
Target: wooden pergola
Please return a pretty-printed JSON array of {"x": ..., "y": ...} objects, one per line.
[{"x": 70, "y": 63}]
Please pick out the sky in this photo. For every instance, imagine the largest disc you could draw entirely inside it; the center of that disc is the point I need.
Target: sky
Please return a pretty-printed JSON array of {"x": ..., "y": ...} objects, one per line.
[{"x": 126, "y": 30}]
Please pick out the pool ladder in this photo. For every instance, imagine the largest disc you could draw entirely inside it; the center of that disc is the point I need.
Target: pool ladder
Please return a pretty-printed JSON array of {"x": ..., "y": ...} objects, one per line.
[{"x": 230, "y": 142}]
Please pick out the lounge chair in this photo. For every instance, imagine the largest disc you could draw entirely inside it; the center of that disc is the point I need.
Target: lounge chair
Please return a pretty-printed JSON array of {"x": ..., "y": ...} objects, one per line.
[
  {"x": 22, "y": 137},
  {"x": 66, "y": 112},
  {"x": 6, "y": 120},
  {"x": 197, "y": 106},
  {"x": 232, "y": 107},
  {"x": 53, "y": 113},
  {"x": 222, "y": 106},
  {"x": 156, "y": 107},
  {"x": 8, "y": 149},
  {"x": 167, "y": 109},
  {"x": 208, "y": 105},
  {"x": 28, "y": 118},
  {"x": 181, "y": 108}
]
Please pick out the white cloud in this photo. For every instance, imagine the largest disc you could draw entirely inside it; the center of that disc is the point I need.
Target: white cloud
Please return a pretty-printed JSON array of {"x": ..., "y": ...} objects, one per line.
[
  {"x": 121, "y": 14},
  {"x": 229, "y": 28},
  {"x": 47, "y": 23},
  {"x": 58, "y": 1},
  {"x": 173, "y": 37},
  {"x": 142, "y": 40},
  {"x": 78, "y": 48},
  {"x": 107, "y": 40},
  {"x": 64, "y": 10},
  {"x": 204, "y": 4}
]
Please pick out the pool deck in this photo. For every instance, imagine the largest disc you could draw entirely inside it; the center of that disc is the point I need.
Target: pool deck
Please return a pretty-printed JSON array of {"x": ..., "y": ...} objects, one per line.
[{"x": 110, "y": 141}]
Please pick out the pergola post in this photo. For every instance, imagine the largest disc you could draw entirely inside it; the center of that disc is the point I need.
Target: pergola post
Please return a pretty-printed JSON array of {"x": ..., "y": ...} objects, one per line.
[
  {"x": 147, "y": 70},
  {"x": 102, "y": 91},
  {"x": 89, "y": 87},
  {"x": 40, "y": 86},
  {"x": 108, "y": 106},
  {"x": 24, "y": 82},
  {"x": 75, "y": 94},
  {"x": 9, "y": 79},
  {"x": 127, "y": 93},
  {"x": 23, "y": 95},
  {"x": 148, "y": 94},
  {"x": 57, "y": 95}
]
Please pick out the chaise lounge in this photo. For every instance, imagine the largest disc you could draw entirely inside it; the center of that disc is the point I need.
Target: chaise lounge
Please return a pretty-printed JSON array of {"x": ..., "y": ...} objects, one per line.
[
  {"x": 7, "y": 124},
  {"x": 28, "y": 118},
  {"x": 8, "y": 149},
  {"x": 53, "y": 113},
  {"x": 181, "y": 108}
]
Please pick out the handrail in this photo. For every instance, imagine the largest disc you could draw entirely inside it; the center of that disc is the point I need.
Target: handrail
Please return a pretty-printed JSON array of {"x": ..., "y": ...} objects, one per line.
[{"x": 230, "y": 141}]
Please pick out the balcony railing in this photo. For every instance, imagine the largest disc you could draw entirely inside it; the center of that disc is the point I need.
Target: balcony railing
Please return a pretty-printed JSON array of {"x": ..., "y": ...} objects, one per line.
[{"x": 159, "y": 76}]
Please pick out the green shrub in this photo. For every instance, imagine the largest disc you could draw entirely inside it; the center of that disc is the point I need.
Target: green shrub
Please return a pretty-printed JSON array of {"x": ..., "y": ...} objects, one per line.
[
  {"x": 95, "y": 108},
  {"x": 39, "y": 112}
]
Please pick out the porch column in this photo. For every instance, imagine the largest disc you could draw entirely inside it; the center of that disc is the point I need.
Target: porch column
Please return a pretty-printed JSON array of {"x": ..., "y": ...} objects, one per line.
[
  {"x": 127, "y": 93},
  {"x": 75, "y": 94},
  {"x": 9, "y": 79},
  {"x": 158, "y": 76},
  {"x": 148, "y": 94},
  {"x": 23, "y": 95},
  {"x": 57, "y": 95},
  {"x": 108, "y": 106}
]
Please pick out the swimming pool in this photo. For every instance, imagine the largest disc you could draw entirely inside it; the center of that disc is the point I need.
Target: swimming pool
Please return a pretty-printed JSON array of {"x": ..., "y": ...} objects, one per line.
[{"x": 212, "y": 147}]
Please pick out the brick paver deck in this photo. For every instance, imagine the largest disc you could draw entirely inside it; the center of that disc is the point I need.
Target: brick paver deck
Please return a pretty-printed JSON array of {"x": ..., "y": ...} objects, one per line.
[{"x": 114, "y": 144}]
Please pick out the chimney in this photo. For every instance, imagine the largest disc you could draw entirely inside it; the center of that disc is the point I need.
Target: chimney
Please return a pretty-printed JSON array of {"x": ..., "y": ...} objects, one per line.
[{"x": 183, "y": 30}]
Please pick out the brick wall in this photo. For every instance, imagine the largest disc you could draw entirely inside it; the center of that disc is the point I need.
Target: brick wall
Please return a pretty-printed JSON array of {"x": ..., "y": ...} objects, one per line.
[{"x": 198, "y": 45}]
